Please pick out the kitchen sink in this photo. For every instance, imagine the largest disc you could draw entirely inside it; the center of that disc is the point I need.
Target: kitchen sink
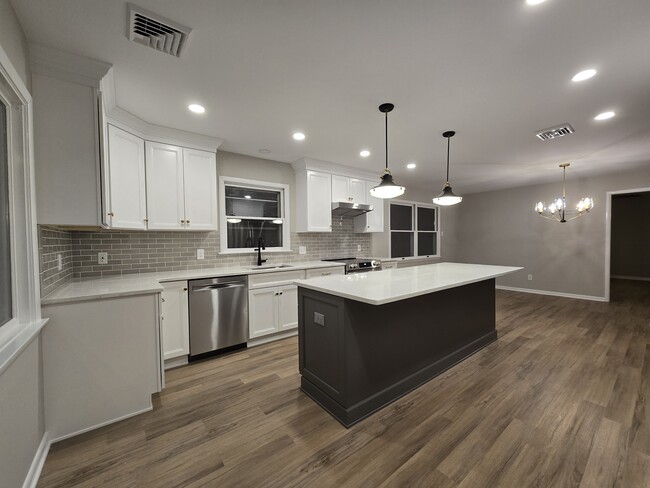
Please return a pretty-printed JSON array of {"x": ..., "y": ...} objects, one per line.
[{"x": 271, "y": 267}]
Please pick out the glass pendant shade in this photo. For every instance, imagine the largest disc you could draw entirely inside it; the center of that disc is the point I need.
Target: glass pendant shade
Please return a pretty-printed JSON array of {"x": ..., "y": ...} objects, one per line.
[
  {"x": 447, "y": 197},
  {"x": 387, "y": 188}
]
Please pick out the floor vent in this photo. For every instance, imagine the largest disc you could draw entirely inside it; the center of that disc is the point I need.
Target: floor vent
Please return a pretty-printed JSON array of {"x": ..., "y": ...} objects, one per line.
[
  {"x": 555, "y": 132},
  {"x": 156, "y": 32}
]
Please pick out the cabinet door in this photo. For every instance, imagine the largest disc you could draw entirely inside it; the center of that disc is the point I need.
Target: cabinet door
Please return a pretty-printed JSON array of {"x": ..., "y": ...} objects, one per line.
[
  {"x": 358, "y": 191},
  {"x": 340, "y": 188},
  {"x": 126, "y": 180},
  {"x": 200, "y": 177},
  {"x": 287, "y": 307},
  {"x": 262, "y": 312},
  {"x": 374, "y": 219},
  {"x": 175, "y": 324},
  {"x": 165, "y": 203},
  {"x": 319, "y": 202}
]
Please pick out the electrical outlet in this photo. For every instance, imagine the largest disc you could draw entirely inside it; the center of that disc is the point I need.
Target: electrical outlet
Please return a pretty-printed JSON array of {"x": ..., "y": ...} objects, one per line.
[
  {"x": 302, "y": 250},
  {"x": 102, "y": 258},
  {"x": 59, "y": 262},
  {"x": 319, "y": 319},
  {"x": 530, "y": 277},
  {"x": 359, "y": 247},
  {"x": 200, "y": 254}
]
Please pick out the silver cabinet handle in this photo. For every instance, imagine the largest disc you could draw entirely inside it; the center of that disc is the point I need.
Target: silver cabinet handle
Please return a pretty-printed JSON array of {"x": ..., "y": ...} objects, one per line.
[{"x": 325, "y": 274}]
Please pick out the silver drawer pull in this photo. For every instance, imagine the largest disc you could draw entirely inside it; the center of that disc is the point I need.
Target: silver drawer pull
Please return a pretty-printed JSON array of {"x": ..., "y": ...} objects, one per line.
[{"x": 326, "y": 274}]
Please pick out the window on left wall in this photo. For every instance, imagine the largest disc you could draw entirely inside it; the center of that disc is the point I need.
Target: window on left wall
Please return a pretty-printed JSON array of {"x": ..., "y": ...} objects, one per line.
[
  {"x": 6, "y": 296},
  {"x": 251, "y": 211}
]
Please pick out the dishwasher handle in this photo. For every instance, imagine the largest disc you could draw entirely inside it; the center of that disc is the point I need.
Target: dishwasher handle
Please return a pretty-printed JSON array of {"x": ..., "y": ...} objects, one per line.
[{"x": 218, "y": 286}]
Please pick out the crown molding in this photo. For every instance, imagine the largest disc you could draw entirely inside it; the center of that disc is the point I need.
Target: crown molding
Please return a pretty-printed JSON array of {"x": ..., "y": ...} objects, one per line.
[
  {"x": 333, "y": 168},
  {"x": 157, "y": 133},
  {"x": 67, "y": 66}
]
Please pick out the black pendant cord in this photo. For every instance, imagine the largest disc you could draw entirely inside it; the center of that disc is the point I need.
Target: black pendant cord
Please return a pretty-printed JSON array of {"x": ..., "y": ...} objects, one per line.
[
  {"x": 386, "y": 117},
  {"x": 448, "y": 159}
]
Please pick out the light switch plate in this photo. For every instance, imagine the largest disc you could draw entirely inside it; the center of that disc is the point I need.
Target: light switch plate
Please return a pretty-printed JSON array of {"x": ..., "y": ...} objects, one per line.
[
  {"x": 302, "y": 250},
  {"x": 59, "y": 261},
  {"x": 530, "y": 277},
  {"x": 200, "y": 254},
  {"x": 102, "y": 258},
  {"x": 359, "y": 247},
  {"x": 319, "y": 319}
]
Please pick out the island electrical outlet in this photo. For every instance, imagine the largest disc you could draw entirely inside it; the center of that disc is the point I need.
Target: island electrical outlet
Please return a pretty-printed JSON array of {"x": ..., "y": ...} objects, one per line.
[{"x": 102, "y": 258}]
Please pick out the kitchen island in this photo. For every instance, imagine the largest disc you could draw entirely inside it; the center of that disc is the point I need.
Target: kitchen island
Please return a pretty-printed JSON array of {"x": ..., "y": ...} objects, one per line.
[{"x": 367, "y": 339}]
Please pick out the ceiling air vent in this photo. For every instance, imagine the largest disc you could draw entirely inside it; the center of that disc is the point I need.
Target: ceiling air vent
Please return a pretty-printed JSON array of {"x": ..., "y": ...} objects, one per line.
[
  {"x": 156, "y": 32},
  {"x": 555, "y": 132}
]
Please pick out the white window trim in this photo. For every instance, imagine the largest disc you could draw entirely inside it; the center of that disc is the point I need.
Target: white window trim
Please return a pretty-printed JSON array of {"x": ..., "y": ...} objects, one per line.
[
  {"x": 262, "y": 185},
  {"x": 19, "y": 332},
  {"x": 414, "y": 205}
]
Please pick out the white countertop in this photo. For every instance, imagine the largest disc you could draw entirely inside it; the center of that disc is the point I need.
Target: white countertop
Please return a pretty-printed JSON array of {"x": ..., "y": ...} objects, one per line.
[
  {"x": 145, "y": 283},
  {"x": 392, "y": 285}
]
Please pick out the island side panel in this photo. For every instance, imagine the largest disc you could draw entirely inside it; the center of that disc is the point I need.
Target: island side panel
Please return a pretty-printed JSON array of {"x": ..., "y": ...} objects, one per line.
[
  {"x": 361, "y": 357},
  {"x": 391, "y": 349}
]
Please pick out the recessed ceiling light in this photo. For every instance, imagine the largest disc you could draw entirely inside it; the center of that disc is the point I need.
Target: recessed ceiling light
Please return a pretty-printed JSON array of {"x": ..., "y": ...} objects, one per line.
[
  {"x": 584, "y": 75},
  {"x": 264, "y": 151},
  {"x": 299, "y": 136},
  {"x": 196, "y": 108},
  {"x": 534, "y": 2},
  {"x": 411, "y": 165},
  {"x": 365, "y": 153},
  {"x": 605, "y": 116},
  {"x": 247, "y": 197}
]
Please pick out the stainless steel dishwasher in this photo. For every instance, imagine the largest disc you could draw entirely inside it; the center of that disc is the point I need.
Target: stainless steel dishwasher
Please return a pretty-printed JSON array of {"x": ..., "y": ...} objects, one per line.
[{"x": 218, "y": 315}]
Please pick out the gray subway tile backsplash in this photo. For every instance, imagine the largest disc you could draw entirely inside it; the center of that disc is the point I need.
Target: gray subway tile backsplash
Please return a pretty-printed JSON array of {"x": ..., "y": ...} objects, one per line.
[{"x": 144, "y": 252}]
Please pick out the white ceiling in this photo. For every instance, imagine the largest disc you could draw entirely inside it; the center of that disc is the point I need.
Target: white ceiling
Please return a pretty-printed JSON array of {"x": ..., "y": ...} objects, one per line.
[{"x": 493, "y": 70}]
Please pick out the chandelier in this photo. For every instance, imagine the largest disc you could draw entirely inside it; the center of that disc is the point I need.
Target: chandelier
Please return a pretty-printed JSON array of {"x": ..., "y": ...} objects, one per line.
[{"x": 557, "y": 210}]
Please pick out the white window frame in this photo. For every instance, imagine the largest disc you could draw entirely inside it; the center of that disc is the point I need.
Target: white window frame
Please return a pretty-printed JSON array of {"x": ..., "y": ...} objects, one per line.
[
  {"x": 259, "y": 185},
  {"x": 26, "y": 323},
  {"x": 414, "y": 206}
]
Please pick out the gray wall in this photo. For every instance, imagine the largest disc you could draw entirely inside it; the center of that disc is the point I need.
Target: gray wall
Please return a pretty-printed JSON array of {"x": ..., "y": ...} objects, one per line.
[
  {"x": 501, "y": 227},
  {"x": 631, "y": 235},
  {"x": 14, "y": 42}
]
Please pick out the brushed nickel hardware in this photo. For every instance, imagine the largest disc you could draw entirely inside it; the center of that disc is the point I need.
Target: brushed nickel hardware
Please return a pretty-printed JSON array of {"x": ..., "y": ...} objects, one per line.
[{"x": 110, "y": 214}]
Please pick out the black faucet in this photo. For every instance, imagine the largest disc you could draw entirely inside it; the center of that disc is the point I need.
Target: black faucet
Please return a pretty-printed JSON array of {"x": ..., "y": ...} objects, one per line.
[{"x": 260, "y": 246}]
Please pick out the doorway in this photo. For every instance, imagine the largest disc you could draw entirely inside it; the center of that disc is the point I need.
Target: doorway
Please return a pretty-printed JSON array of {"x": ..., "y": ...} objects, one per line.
[{"x": 627, "y": 236}]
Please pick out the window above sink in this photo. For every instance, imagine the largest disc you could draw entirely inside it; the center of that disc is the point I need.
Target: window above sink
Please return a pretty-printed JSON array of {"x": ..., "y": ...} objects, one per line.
[{"x": 250, "y": 210}]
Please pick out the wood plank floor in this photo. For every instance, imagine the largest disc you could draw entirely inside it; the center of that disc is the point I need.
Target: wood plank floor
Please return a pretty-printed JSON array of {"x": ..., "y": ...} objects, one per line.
[{"x": 561, "y": 399}]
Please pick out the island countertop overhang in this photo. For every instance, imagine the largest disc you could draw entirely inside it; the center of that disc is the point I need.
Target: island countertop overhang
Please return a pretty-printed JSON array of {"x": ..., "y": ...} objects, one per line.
[{"x": 393, "y": 285}]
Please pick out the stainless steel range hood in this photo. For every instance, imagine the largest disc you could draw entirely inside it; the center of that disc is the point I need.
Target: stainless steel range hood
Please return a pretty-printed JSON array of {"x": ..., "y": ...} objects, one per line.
[{"x": 349, "y": 209}]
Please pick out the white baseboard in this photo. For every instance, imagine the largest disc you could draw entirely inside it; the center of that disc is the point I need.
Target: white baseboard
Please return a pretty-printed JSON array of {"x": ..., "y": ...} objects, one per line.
[
  {"x": 37, "y": 464},
  {"x": 553, "y": 293},
  {"x": 276, "y": 337},
  {"x": 635, "y": 278},
  {"x": 112, "y": 421}
]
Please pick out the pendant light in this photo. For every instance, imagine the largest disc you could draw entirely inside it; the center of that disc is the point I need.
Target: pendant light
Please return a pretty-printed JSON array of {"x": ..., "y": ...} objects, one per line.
[
  {"x": 447, "y": 197},
  {"x": 387, "y": 188}
]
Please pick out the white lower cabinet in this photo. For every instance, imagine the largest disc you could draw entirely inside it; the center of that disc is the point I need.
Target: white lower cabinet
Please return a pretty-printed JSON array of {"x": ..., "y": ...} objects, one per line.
[
  {"x": 175, "y": 321},
  {"x": 272, "y": 309}
]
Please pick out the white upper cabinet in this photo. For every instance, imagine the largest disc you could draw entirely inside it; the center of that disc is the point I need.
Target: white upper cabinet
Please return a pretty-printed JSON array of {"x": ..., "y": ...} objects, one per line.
[
  {"x": 165, "y": 188},
  {"x": 126, "y": 192},
  {"x": 372, "y": 221},
  {"x": 200, "y": 177},
  {"x": 181, "y": 188},
  {"x": 345, "y": 189},
  {"x": 313, "y": 201}
]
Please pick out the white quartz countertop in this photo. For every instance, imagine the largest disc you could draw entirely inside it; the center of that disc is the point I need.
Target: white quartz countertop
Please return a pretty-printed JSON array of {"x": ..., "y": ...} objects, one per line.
[
  {"x": 392, "y": 285},
  {"x": 145, "y": 283}
]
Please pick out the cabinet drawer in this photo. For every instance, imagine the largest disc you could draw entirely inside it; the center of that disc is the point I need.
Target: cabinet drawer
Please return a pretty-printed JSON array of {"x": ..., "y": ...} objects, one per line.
[
  {"x": 334, "y": 270},
  {"x": 274, "y": 278}
]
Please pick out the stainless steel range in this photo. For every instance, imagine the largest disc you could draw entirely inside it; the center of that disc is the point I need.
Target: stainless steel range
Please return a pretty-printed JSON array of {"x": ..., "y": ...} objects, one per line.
[{"x": 358, "y": 265}]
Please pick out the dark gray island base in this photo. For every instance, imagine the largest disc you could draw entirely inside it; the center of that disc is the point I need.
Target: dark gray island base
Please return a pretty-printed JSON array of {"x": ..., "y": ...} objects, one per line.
[{"x": 356, "y": 358}]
